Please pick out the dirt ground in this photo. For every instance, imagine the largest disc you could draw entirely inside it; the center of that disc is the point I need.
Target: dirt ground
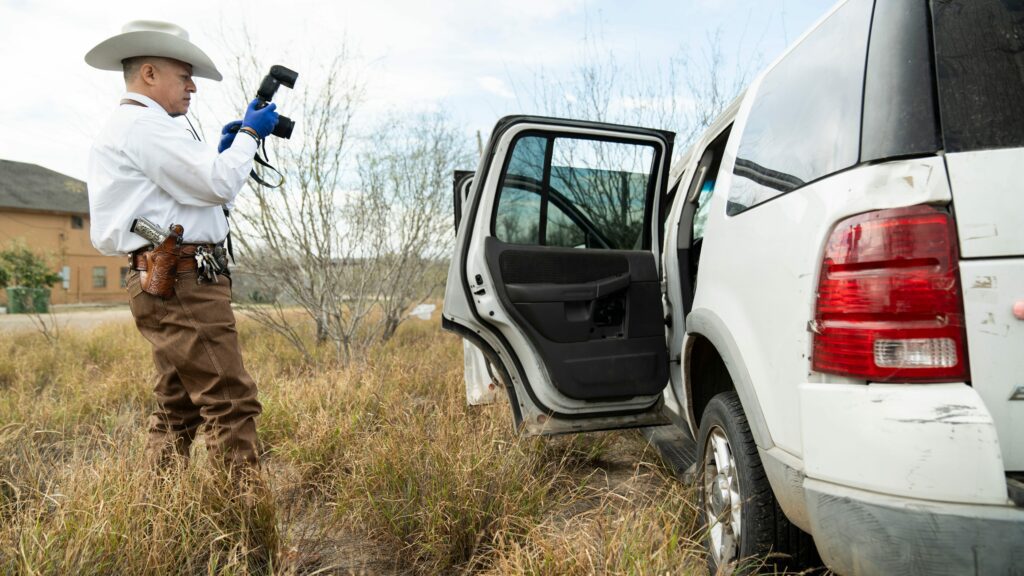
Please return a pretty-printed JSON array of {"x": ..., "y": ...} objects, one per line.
[{"x": 322, "y": 545}]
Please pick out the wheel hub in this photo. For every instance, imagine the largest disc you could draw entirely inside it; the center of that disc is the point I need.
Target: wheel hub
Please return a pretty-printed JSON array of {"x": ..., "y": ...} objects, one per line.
[
  {"x": 720, "y": 493},
  {"x": 722, "y": 498}
]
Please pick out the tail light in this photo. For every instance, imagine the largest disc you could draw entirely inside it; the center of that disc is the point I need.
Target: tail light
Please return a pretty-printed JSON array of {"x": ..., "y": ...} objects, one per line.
[{"x": 889, "y": 300}]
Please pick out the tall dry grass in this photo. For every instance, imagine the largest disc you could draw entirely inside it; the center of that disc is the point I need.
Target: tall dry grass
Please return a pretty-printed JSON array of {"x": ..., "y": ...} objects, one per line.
[{"x": 377, "y": 467}]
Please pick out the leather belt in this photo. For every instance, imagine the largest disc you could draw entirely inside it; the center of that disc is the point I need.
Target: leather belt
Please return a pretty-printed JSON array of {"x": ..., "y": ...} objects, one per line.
[{"x": 186, "y": 260}]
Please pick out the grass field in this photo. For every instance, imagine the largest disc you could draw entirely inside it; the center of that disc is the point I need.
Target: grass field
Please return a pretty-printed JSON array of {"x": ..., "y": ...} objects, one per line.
[{"x": 375, "y": 468}]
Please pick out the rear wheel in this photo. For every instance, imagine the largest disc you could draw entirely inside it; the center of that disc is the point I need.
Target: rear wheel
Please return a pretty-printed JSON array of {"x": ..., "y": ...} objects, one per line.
[{"x": 743, "y": 521}]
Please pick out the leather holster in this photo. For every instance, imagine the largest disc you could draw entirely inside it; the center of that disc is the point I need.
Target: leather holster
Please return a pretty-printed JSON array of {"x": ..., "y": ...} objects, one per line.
[{"x": 161, "y": 268}]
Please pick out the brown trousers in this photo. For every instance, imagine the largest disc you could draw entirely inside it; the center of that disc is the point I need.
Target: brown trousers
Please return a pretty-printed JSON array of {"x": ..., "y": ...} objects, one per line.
[{"x": 200, "y": 376}]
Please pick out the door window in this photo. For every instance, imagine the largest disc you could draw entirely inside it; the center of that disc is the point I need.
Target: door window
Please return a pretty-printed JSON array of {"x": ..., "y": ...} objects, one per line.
[
  {"x": 518, "y": 219},
  {"x": 563, "y": 231},
  {"x": 575, "y": 192},
  {"x": 518, "y": 222}
]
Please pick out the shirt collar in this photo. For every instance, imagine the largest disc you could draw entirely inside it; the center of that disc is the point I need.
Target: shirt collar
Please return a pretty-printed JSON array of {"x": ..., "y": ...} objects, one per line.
[{"x": 141, "y": 99}]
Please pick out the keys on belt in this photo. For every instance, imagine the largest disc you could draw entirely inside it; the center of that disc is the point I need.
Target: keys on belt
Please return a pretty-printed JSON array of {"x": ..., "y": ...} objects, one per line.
[
  {"x": 207, "y": 266},
  {"x": 208, "y": 260}
]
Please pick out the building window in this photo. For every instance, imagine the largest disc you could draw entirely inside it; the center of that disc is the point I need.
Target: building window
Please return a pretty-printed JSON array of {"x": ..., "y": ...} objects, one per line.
[
  {"x": 99, "y": 277},
  {"x": 124, "y": 276},
  {"x": 77, "y": 223}
]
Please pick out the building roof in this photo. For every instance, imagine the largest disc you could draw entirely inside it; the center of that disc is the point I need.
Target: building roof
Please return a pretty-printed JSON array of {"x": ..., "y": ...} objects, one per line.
[{"x": 31, "y": 187}]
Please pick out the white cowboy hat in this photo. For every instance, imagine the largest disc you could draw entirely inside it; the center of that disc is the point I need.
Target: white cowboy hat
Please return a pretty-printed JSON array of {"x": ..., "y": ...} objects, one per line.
[{"x": 151, "y": 38}]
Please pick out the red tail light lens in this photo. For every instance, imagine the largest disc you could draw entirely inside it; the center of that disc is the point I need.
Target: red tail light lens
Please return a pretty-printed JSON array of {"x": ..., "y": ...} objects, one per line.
[{"x": 889, "y": 299}]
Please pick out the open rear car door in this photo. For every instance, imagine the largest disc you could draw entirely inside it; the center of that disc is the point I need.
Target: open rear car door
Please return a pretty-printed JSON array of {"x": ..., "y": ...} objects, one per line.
[{"x": 555, "y": 272}]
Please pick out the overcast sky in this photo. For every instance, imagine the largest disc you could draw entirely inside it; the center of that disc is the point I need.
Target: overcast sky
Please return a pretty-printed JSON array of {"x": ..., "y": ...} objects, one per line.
[{"x": 476, "y": 59}]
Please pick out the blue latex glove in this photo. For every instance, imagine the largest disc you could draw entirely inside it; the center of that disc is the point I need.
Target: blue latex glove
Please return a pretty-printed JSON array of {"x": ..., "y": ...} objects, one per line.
[
  {"x": 262, "y": 120},
  {"x": 228, "y": 135}
]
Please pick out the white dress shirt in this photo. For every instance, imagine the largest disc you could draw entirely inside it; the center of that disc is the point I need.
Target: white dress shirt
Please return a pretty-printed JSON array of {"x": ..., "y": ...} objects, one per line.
[{"x": 144, "y": 163}]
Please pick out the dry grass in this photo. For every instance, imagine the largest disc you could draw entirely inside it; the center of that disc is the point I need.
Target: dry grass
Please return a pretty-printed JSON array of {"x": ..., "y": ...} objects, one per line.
[{"x": 373, "y": 468}]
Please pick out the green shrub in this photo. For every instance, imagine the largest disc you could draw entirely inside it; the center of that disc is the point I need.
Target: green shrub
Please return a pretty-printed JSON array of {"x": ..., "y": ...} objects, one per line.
[{"x": 20, "y": 266}]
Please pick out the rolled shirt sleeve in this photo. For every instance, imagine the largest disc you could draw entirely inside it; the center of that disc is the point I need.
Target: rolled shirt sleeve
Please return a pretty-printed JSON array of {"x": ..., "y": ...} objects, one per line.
[{"x": 190, "y": 171}]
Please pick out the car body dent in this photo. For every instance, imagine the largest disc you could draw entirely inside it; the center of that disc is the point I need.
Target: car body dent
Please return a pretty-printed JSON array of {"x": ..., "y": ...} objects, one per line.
[{"x": 925, "y": 441}]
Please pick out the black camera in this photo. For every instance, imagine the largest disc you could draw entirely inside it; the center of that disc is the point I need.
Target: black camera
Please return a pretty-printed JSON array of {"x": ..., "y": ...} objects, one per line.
[{"x": 278, "y": 76}]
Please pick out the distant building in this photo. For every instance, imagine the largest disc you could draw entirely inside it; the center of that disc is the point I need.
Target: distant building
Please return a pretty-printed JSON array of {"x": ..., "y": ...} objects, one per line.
[{"x": 50, "y": 213}]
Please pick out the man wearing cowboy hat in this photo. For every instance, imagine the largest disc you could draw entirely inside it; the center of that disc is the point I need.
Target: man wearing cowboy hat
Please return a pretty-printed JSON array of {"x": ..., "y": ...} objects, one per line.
[{"x": 145, "y": 164}]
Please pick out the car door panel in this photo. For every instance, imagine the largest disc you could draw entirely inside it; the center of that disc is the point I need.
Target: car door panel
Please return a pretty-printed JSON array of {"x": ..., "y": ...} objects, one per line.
[
  {"x": 592, "y": 316},
  {"x": 575, "y": 329},
  {"x": 586, "y": 291}
]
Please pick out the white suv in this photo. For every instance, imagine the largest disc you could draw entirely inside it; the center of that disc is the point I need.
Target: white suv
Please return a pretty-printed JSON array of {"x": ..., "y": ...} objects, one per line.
[{"x": 801, "y": 294}]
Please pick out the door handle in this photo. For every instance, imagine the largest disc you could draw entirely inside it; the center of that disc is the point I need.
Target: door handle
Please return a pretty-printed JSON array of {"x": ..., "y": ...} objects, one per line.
[{"x": 547, "y": 292}]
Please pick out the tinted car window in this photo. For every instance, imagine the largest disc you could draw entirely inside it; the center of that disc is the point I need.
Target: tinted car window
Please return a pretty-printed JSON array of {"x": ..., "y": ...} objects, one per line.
[
  {"x": 518, "y": 221},
  {"x": 979, "y": 61},
  {"x": 806, "y": 116},
  {"x": 575, "y": 192},
  {"x": 900, "y": 113},
  {"x": 562, "y": 230},
  {"x": 518, "y": 218}
]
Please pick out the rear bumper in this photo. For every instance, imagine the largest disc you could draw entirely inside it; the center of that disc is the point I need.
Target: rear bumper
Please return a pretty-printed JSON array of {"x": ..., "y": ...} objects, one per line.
[
  {"x": 933, "y": 442},
  {"x": 860, "y": 532}
]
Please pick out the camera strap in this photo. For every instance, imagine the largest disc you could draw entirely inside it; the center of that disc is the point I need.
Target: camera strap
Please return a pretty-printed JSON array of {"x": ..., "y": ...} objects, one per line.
[{"x": 265, "y": 162}]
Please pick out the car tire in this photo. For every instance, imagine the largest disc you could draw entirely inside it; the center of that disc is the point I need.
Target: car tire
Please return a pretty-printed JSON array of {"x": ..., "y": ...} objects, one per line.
[{"x": 735, "y": 496}]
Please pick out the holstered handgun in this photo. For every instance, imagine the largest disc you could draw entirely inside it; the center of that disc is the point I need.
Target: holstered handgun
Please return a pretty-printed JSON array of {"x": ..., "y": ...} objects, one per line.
[{"x": 162, "y": 265}]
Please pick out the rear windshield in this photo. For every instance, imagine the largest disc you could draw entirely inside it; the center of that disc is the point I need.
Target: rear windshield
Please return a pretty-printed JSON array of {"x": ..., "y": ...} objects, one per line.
[{"x": 979, "y": 61}]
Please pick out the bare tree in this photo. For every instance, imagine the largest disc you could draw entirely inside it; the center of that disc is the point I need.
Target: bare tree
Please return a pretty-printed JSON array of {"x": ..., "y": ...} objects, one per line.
[
  {"x": 294, "y": 241},
  {"x": 403, "y": 201},
  {"x": 606, "y": 181},
  {"x": 710, "y": 88},
  {"x": 357, "y": 231},
  {"x": 47, "y": 324},
  {"x": 681, "y": 92}
]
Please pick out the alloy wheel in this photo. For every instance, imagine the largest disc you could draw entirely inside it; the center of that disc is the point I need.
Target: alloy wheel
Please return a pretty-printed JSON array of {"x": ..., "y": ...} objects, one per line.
[{"x": 722, "y": 497}]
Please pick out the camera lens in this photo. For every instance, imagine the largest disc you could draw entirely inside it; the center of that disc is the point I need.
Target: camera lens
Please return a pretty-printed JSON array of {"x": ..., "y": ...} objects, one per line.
[
  {"x": 285, "y": 76},
  {"x": 284, "y": 127}
]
